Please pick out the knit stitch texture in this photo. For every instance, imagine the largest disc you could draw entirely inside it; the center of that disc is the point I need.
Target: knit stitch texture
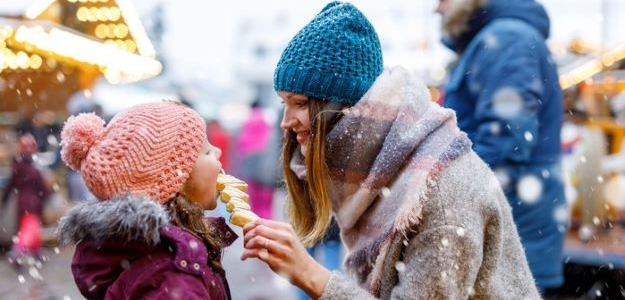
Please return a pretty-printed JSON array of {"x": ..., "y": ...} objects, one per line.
[
  {"x": 148, "y": 150},
  {"x": 336, "y": 57}
]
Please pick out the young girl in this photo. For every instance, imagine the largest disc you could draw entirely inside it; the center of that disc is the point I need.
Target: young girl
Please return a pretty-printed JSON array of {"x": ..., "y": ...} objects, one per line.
[
  {"x": 421, "y": 215},
  {"x": 154, "y": 173}
]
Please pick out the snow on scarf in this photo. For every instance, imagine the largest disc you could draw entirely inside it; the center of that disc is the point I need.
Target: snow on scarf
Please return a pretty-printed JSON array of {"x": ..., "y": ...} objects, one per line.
[{"x": 384, "y": 156}]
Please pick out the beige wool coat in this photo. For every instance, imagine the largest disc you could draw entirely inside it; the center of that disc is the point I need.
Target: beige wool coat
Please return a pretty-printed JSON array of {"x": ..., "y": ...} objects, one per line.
[
  {"x": 421, "y": 215},
  {"x": 451, "y": 255}
]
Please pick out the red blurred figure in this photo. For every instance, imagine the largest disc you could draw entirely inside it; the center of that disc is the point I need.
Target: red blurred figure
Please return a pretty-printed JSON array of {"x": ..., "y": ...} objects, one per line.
[
  {"x": 219, "y": 138},
  {"x": 28, "y": 185}
]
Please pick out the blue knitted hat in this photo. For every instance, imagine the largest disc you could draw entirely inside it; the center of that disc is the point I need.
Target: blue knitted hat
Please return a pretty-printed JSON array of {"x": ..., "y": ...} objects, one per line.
[{"x": 336, "y": 57}]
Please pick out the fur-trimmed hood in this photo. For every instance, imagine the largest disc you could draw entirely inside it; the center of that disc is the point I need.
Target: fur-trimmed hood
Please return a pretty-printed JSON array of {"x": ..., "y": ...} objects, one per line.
[
  {"x": 465, "y": 18},
  {"x": 126, "y": 219},
  {"x": 127, "y": 248}
]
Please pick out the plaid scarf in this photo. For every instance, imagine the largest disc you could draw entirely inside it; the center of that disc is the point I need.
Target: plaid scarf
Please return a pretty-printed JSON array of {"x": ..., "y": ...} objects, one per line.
[{"x": 384, "y": 156}]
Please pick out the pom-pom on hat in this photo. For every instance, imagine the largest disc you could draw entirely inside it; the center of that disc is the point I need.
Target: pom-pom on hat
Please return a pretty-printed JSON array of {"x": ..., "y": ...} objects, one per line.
[
  {"x": 149, "y": 150},
  {"x": 336, "y": 57}
]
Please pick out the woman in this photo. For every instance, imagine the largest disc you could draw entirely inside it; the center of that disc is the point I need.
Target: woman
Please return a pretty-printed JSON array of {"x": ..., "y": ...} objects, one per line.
[
  {"x": 421, "y": 215},
  {"x": 154, "y": 173}
]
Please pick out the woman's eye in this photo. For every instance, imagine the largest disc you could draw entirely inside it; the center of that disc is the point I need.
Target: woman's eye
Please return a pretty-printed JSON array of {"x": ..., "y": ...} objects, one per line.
[{"x": 302, "y": 104}]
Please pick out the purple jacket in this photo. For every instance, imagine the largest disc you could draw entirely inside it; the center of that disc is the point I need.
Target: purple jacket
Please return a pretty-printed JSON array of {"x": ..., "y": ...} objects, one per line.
[
  {"x": 26, "y": 181},
  {"x": 127, "y": 249}
]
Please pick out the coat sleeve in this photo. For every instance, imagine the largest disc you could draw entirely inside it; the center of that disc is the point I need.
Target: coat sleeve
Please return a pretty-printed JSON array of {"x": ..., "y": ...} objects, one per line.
[
  {"x": 508, "y": 84},
  {"x": 440, "y": 263}
]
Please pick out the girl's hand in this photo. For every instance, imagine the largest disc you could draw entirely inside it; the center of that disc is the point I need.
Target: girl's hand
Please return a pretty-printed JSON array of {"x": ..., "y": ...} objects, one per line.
[{"x": 276, "y": 244}]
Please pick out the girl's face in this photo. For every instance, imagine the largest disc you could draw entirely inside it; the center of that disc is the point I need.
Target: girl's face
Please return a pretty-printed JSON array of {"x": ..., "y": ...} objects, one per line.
[
  {"x": 201, "y": 186},
  {"x": 296, "y": 117}
]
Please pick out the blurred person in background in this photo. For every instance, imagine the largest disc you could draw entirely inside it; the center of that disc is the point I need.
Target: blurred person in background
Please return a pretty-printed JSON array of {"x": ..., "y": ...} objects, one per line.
[
  {"x": 257, "y": 146},
  {"x": 420, "y": 214},
  {"x": 28, "y": 185},
  {"x": 507, "y": 98},
  {"x": 43, "y": 127}
]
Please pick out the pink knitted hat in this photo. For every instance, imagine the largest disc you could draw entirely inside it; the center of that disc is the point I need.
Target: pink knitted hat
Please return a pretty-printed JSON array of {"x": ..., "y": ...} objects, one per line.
[{"x": 149, "y": 149}]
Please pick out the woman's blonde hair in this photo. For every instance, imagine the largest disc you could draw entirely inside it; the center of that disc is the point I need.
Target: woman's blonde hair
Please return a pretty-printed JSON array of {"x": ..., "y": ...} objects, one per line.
[{"x": 309, "y": 206}]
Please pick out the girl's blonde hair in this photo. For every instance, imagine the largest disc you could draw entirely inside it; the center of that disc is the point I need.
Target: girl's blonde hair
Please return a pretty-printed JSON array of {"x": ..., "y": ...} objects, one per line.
[{"x": 309, "y": 205}]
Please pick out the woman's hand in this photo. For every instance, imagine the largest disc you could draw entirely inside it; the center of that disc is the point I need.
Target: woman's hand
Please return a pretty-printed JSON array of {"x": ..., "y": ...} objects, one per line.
[{"x": 276, "y": 244}]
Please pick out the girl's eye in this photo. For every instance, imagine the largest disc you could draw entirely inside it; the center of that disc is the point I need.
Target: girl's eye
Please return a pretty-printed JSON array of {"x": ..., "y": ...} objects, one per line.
[{"x": 302, "y": 104}]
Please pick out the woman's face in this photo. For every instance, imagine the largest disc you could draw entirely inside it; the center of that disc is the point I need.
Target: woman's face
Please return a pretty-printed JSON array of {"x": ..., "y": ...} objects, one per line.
[
  {"x": 296, "y": 117},
  {"x": 201, "y": 186}
]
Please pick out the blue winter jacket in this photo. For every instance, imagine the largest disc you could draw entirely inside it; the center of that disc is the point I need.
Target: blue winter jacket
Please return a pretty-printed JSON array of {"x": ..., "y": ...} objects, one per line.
[{"x": 507, "y": 98}]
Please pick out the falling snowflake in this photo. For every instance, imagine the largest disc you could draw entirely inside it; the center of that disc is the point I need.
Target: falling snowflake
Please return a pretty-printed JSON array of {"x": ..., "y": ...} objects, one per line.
[
  {"x": 460, "y": 232},
  {"x": 585, "y": 233},
  {"x": 385, "y": 192},
  {"x": 596, "y": 221},
  {"x": 530, "y": 188},
  {"x": 34, "y": 273},
  {"x": 495, "y": 128},
  {"x": 536, "y": 85},
  {"x": 490, "y": 41},
  {"x": 528, "y": 136},
  {"x": 400, "y": 267},
  {"x": 502, "y": 176},
  {"x": 507, "y": 102},
  {"x": 193, "y": 244},
  {"x": 445, "y": 242},
  {"x": 471, "y": 291},
  {"x": 60, "y": 77},
  {"x": 561, "y": 214},
  {"x": 125, "y": 264},
  {"x": 475, "y": 86}
]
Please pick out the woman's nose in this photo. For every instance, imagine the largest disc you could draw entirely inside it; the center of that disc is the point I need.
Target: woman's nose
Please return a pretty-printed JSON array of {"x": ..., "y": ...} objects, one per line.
[{"x": 287, "y": 121}]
